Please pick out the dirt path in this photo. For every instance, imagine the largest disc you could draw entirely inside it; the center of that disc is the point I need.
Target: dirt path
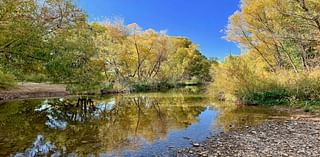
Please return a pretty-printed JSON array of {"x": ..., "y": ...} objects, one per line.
[{"x": 33, "y": 90}]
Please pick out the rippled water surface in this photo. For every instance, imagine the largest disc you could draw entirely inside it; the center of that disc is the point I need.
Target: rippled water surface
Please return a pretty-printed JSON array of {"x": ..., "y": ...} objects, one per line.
[{"x": 124, "y": 125}]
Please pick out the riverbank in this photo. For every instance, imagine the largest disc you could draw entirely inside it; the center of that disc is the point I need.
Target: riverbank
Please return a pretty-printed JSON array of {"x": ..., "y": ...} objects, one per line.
[
  {"x": 294, "y": 137},
  {"x": 33, "y": 90},
  {"x": 44, "y": 90}
]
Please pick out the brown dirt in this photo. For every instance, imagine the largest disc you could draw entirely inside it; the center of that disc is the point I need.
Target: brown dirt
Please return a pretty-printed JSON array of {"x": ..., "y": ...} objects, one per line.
[{"x": 33, "y": 90}]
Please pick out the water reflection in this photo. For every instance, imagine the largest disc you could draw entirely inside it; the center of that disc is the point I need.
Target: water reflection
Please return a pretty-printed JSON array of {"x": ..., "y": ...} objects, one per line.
[
  {"x": 235, "y": 117},
  {"x": 124, "y": 125},
  {"x": 40, "y": 148},
  {"x": 113, "y": 126}
]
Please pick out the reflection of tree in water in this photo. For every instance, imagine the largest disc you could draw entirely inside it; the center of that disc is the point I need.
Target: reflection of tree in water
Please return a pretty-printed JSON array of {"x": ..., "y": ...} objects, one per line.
[
  {"x": 62, "y": 112},
  {"x": 238, "y": 116},
  {"x": 150, "y": 118},
  {"x": 19, "y": 125},
  {"x": 113, "y": 125}
]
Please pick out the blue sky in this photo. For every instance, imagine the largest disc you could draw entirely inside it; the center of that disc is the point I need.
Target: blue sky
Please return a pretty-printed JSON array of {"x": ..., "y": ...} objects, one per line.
[{"x": 199, "y": 20}]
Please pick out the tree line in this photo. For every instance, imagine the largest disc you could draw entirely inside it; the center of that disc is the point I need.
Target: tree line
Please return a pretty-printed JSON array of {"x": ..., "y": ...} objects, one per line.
[{"x": 52, "y": 41}]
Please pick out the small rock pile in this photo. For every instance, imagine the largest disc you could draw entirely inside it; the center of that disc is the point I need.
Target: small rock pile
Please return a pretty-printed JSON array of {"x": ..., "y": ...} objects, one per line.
[{"x": 274, "y": 138}]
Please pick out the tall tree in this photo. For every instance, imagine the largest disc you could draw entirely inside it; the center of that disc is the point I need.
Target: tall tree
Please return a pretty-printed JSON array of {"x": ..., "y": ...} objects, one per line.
[{"x": 284, "y": 33}]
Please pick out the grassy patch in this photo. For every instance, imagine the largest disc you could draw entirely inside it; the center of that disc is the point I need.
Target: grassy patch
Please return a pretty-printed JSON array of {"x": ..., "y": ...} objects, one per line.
[{"x": 7, "y": 81}]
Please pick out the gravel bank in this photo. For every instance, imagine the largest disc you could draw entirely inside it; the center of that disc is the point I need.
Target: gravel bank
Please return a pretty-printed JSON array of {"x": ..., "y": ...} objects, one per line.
[
  {"x": 296, "y": 138},
  {"x": 33, "y": 90}
]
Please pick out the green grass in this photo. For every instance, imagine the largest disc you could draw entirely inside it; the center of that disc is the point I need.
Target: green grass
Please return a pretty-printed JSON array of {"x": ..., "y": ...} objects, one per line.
[{"x": 7, "y": 81}]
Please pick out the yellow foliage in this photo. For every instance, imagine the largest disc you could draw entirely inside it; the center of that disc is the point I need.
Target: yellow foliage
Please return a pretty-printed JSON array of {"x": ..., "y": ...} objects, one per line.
[{"x": 242, "y": 79}]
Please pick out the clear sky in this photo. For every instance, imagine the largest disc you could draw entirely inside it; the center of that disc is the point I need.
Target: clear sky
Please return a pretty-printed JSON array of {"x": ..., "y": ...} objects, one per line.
[{"x": 199, "y": 20}]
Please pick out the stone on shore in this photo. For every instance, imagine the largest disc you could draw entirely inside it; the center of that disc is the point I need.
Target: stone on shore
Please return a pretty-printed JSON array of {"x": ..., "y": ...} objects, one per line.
[{"x": 298, "y": 138}]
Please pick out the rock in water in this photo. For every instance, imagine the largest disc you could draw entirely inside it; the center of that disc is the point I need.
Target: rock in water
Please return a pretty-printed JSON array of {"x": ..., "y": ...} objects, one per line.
[{"x": 196, "y": 145}]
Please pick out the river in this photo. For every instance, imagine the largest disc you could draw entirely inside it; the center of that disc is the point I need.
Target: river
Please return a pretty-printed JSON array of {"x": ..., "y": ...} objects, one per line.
[{"x": 145, "y": 124}]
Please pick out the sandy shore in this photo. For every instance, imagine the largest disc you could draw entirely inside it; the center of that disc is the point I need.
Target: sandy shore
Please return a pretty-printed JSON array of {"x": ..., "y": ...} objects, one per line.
[{"x": 33, "y": 90}]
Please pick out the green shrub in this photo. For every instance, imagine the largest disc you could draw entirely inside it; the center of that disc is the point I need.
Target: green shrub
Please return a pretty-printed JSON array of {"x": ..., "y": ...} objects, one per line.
[
  {"x": 37, "y": 78},
  {"x": 152, "y": 86},
  {"x": 7, "y": 81},
  {"x": 269, "y": 97}
]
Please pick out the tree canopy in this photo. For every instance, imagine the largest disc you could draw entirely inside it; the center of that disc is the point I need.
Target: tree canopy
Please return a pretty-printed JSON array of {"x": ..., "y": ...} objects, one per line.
[
  {"x": 51, "y": 40},
  {"x": 284, "y": 34}
]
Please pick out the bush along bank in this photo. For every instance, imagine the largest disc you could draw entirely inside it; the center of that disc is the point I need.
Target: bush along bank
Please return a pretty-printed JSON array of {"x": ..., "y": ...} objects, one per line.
[
  {"x": 239, "y": 81},
  {"x": 160, "y": 86}
]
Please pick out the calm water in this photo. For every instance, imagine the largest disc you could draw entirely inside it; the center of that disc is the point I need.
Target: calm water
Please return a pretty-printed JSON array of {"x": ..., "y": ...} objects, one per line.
[{"x": 126, "y": 125}]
